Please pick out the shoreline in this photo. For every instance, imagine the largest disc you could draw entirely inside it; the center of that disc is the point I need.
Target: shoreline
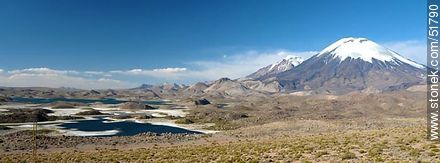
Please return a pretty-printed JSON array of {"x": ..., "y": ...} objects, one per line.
[{"x": 159, "y": 115}]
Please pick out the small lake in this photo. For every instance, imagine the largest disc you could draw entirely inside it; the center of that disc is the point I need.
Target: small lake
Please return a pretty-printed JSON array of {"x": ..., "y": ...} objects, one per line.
[
  {"x": 85, "y": 101},
  {"x": 101, "y": 127}
]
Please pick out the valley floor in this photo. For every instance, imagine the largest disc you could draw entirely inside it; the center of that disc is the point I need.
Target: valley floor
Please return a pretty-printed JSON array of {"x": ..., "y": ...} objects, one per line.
[
  {"x": 403, "y": 141},
  {"x": 286, "y": 128}
]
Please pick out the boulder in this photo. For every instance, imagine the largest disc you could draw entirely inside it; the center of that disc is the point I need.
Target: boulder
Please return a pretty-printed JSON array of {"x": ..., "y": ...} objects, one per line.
[
  {"x": 136, "y": 106},
  {"x": 94, "y": 92},
  {"x": 5, "y": 99},
  {"x": 202, "y": 101}
]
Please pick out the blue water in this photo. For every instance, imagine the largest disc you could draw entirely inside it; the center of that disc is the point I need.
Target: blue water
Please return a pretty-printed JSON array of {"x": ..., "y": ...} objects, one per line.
[
  {"x": 86, "y": 101},
  {"x": 125, "y": 128}
]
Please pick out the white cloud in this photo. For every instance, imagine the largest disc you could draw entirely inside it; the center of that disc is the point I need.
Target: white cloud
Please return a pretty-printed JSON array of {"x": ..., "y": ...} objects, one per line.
[
  {"x": 232, "y": 66},
  {"x": 161, "y": 73},
  {"x": 94, "y": 72},
  {"x": 45, "y": 77},
  {"x": 241, "y": 65},
  {"x": 43, "y": 70},
  {"x": 170, "y": 70},
  {"x": 411, "y": 49}
]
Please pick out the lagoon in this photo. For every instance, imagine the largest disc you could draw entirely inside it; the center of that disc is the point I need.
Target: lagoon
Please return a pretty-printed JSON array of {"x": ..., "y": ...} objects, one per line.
[{"x": 101, "y": 127}]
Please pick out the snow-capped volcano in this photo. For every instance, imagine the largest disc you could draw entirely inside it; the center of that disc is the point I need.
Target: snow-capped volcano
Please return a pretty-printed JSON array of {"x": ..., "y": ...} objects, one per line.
[
  {"x": 362, "y": 48},
  {"x": 286, "y": 64},
  {"x": 352, "y": 64}
]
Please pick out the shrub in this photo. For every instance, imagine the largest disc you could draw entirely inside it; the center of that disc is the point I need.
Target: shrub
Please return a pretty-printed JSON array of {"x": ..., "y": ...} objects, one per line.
[
  {"x": 414, "y": 152},
  {"x": 184, "y": 121},
  {"x": 321, "y": 153},
  {"x": 348, "y": 155}
]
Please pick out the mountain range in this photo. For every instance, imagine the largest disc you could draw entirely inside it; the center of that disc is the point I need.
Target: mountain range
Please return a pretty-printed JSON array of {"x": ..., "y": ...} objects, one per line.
[
  {"x": 352, "y": 64},
  {"x": 349, "y": 64}
]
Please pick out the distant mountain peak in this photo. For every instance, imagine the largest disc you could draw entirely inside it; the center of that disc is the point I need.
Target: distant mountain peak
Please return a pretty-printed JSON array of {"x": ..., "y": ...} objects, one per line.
[
  {"x": 145, "y": 86},
  {"x": 367, "y": 50},
  {"x": 286, "y": 64}
]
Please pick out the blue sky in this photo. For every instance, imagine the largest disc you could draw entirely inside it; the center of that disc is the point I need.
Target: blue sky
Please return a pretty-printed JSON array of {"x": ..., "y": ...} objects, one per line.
[{"x": 120, "y": 43}]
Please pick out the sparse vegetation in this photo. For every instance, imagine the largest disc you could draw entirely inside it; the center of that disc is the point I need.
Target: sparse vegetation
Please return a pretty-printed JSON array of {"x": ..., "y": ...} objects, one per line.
[
  {"x": 321, "y": 153},
  {"x": 223, "y": 119},
  {"x": 282, "y": 149},
  {"x": 184, "y": 121},
  {"x": 348, "y": 155},
  {"x": 44, "y": 131}
]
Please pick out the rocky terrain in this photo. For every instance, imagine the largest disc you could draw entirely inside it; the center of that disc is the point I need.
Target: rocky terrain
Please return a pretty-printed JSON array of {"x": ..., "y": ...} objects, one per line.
[
  {"x": 31, "y": 115},
  {"x": 5, "y": 99},
  {"x": 355, "y": 126}
]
